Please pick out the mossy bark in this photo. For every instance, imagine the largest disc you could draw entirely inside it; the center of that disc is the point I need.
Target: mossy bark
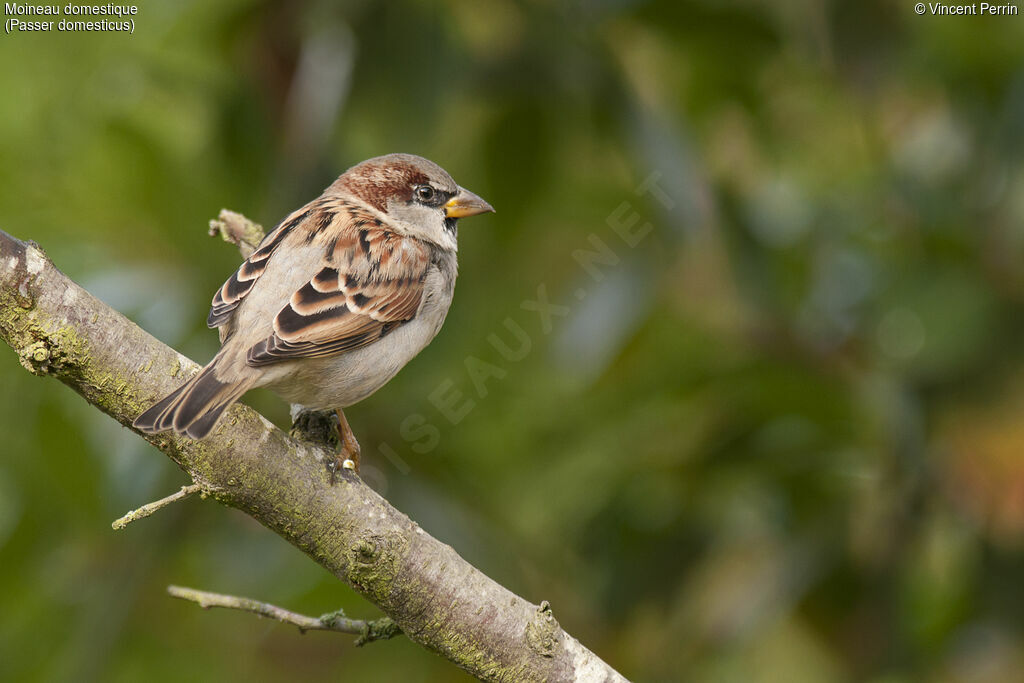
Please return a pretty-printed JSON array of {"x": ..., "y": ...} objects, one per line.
[{"x": 436, "y": 598}]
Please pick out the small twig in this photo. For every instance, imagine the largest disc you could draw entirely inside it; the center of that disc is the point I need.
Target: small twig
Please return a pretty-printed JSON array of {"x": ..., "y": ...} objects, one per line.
[
  {"x": 368, "y": 631},
  {"x": 238, "y": 230},
  {"x": 149, "y": 508}
]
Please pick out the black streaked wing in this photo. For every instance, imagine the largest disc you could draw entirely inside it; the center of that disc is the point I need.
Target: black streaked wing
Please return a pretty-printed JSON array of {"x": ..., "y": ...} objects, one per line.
[
  {"x": 371, "y": 282},
  {"x": 231, "y": 293}
]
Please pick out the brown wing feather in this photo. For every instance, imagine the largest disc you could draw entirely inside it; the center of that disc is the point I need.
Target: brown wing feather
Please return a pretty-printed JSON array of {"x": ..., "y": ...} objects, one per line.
[
  {"x": 371, "y": 281},
  {"x": 231, "y": 293}
]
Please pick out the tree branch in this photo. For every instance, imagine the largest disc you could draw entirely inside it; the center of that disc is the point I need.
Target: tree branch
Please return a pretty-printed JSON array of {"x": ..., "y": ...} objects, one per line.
[
  {"x": 149, "y": 508},
  {"x": 236, "y": 229},
  {"x": 368, "y": 631},
  {"x": 436, "y": 598}
]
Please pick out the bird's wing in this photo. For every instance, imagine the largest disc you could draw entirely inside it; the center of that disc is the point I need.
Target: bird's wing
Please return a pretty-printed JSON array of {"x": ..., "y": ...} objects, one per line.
[
  {"x": 231, "y": 293},
  {"x": 370, "y": 281}
]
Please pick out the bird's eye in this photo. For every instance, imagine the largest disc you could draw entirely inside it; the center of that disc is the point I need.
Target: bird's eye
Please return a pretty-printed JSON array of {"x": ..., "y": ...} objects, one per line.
[{"x": 424, "y": 193}]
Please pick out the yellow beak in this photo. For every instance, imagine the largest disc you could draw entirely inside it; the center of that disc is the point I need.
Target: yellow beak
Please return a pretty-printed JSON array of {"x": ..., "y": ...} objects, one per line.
[{"x": 465, "y": 203}]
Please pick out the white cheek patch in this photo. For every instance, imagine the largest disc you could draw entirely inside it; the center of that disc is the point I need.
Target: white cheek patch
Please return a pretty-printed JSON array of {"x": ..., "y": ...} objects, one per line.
[{"x": 422, "y": 222}]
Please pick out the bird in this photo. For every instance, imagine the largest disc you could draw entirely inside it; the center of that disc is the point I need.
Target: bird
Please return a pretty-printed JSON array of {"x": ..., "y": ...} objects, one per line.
[{"x": 334, "y": 301}]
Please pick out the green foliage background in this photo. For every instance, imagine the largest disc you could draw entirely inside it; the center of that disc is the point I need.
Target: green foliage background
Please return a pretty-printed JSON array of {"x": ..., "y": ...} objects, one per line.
[{"x": 779, "y": 440}]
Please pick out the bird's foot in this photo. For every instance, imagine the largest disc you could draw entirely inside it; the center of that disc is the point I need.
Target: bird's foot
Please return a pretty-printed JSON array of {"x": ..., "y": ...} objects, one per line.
[
  {"x": 318, "y": 427},
  {"x": 332, "y": 429},
  {"x": 339, "y": 464},
  {"x": 348, "y": 454}
]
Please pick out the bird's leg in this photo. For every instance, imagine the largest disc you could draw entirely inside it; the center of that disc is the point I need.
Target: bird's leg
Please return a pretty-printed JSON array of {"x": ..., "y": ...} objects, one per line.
[
  {"x": 332, "y": 429},
  {"x": 348, "y": 455},
  {"x": 318, "y": 427}
]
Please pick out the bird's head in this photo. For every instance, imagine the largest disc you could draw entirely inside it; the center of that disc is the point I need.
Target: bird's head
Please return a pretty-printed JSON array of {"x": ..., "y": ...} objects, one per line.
[{"x": 417, "y": 196}]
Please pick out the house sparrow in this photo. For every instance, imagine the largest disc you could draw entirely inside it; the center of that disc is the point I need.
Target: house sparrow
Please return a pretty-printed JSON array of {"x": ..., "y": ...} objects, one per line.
[{"x": 334, "y": 300}]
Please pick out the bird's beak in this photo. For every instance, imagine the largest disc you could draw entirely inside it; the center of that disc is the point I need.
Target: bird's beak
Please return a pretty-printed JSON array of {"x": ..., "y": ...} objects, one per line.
[{"x": 465, "y": 203}]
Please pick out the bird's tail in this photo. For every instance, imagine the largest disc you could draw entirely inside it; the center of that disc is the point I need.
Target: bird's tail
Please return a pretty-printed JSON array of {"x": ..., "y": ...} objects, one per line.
[{"x": 193, "y": 408}]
